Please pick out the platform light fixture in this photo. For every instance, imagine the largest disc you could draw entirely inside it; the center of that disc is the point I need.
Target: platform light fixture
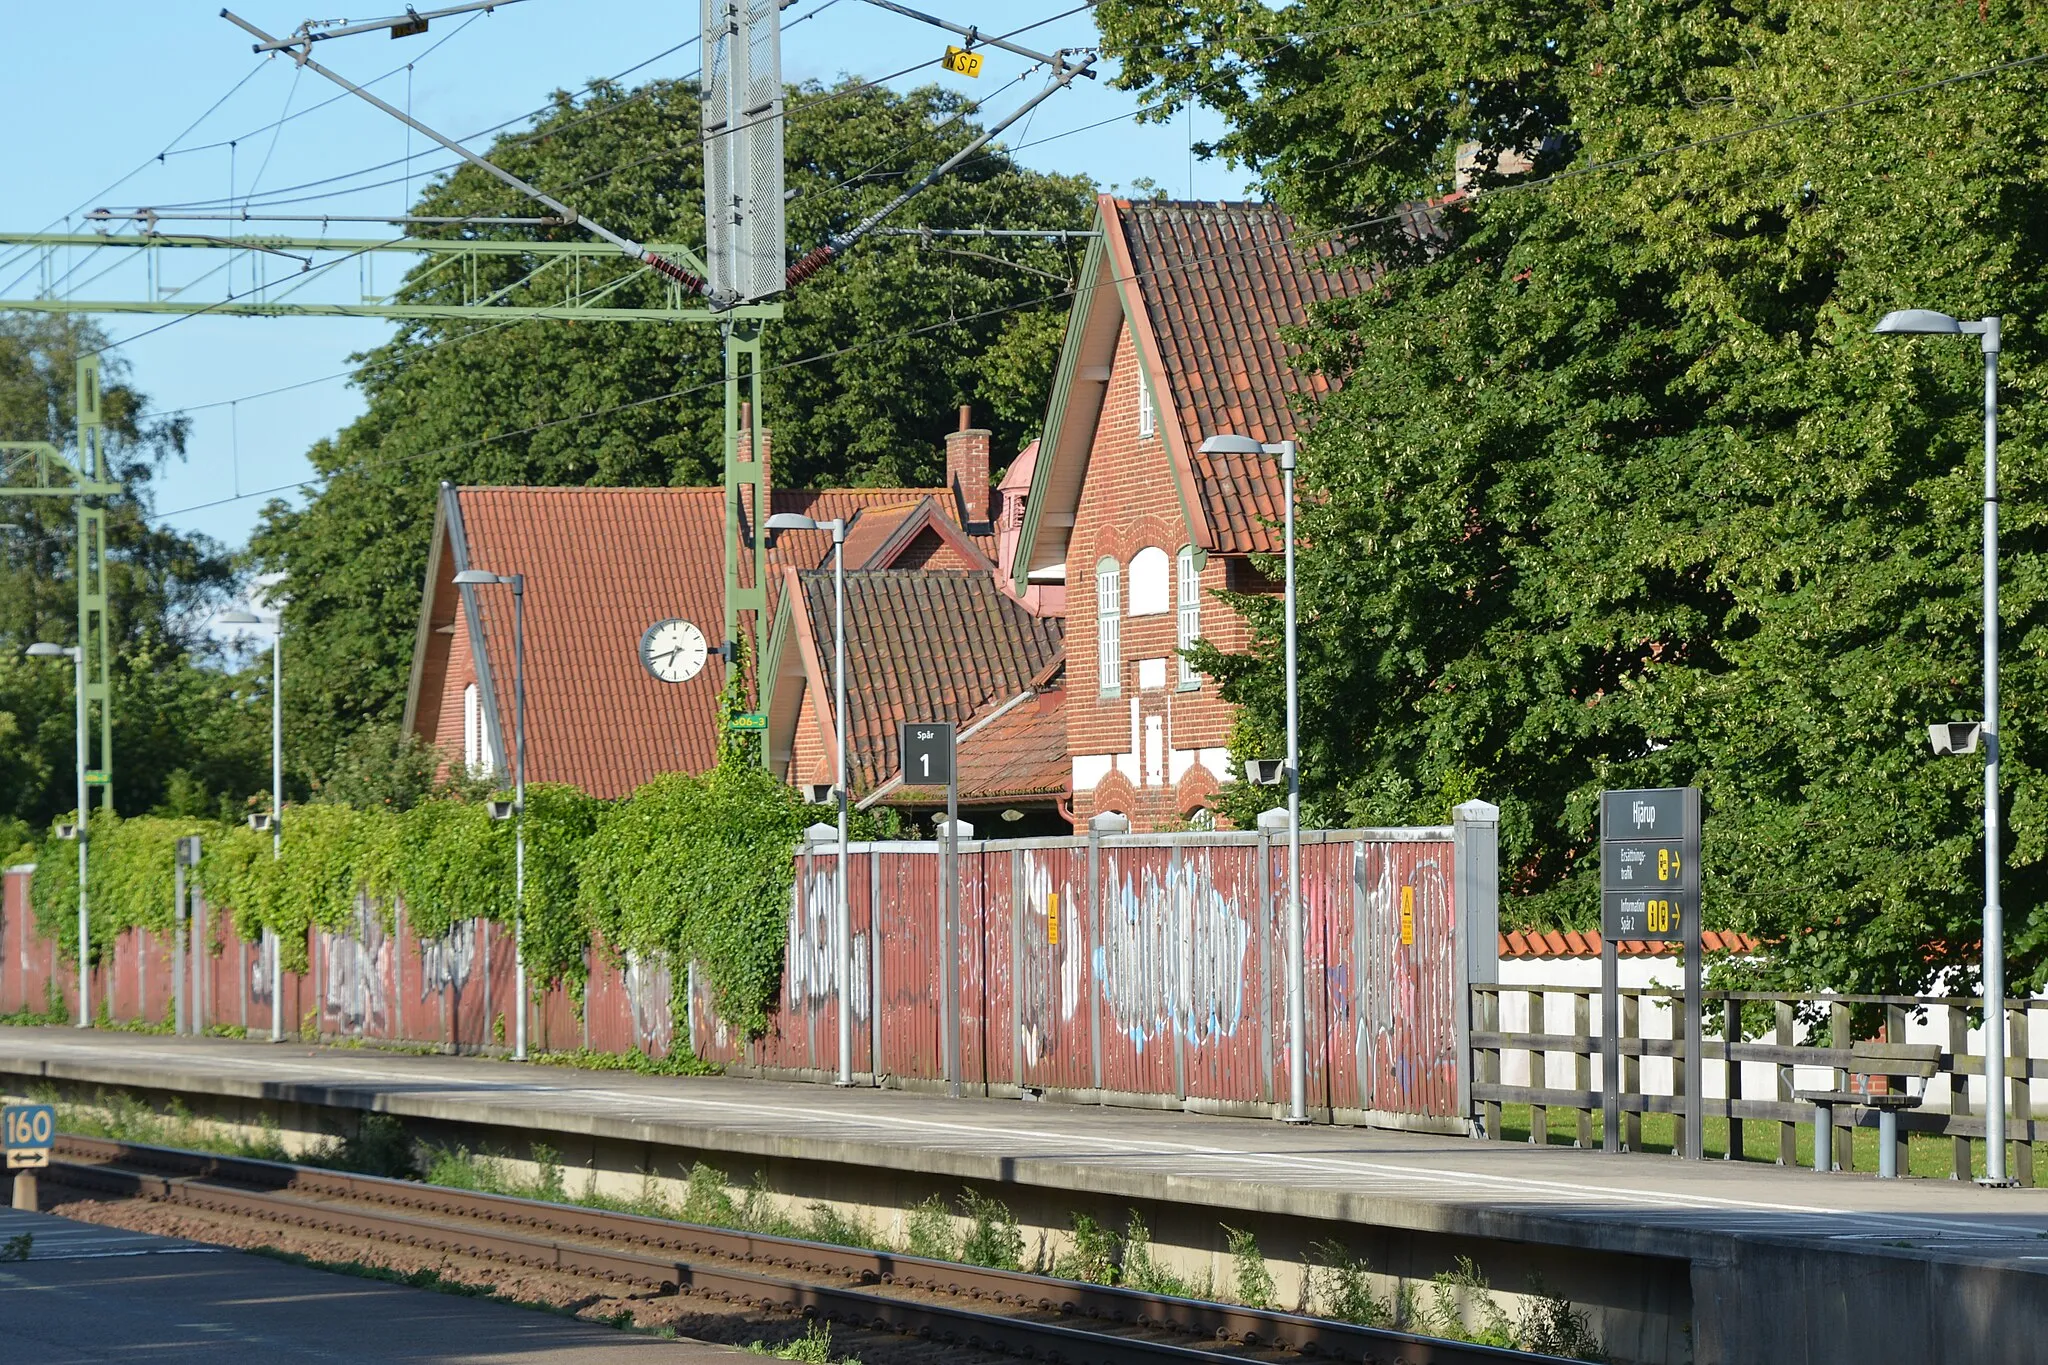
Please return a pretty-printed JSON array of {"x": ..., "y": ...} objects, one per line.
[
  {"x": 81, "y": 830},
  {"x": 1928, "y": 322},
  {"x": 842, "y": 911},
  {"x": 475, "y": 578},
  {"x": 1230, "y": 443}
]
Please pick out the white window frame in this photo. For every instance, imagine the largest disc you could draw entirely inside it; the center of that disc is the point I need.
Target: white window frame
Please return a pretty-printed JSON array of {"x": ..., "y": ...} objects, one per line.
[
  {"x": 1188, "y": 612},
  {"x": 1148, "y": 585},
  {"x": 1108, "y": 627},
  {"x": 472, "y": 731},
  {"x": 1148, "y": 410}
]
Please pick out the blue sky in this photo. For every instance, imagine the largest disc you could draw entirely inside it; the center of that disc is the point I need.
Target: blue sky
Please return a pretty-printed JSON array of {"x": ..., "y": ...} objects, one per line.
[{"x": 119, "y": 80}]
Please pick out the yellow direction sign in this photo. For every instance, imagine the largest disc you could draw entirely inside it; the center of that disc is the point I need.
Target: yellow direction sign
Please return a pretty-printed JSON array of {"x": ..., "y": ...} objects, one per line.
[{"x": 962, "y": 62}]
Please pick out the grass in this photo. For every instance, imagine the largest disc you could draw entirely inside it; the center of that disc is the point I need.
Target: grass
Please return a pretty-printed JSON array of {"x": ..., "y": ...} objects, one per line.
[
  {"x": 814, "y": 1347},
  {"x": 679, "y": 1062},
  {"x": 1929, "y": 1155}
]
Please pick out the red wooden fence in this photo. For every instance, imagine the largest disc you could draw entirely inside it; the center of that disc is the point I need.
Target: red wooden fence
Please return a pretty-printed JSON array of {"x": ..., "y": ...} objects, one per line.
[{"x": 1135, "y": 968}]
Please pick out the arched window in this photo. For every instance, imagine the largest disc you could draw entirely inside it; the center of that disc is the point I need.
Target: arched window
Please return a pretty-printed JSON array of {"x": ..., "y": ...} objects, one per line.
[
  {"x": 1188, "y": 622},
  {"x": 1149, "y": 582},
  {"x": 1108, "y": 622}
]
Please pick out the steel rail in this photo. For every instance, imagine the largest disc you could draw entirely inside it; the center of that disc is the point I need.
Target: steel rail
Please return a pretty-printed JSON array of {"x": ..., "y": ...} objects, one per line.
[{"x": 650, "y": 1251}]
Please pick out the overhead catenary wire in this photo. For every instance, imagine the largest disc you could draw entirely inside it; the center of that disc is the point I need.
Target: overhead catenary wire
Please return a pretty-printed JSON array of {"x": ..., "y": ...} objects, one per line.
[{"x": 1332, "y": 234}]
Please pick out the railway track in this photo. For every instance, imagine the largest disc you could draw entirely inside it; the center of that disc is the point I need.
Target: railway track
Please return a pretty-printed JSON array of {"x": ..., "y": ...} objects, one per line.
[{"x": 1034, "y": 1317}]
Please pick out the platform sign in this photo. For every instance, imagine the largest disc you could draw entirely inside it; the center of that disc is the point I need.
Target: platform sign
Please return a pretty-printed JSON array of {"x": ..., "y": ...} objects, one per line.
[
  {"x": 927, "y": 753},
  {"x": 29, "y": 1131},
  {"x": 1649, "y": 864},
  {"x": 962, "y": 62},
  {"x": 748, "y": 722}
]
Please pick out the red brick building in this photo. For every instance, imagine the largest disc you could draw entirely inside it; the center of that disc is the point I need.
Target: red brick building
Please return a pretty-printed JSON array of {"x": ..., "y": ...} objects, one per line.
[{"x": 1175, "y": 335}]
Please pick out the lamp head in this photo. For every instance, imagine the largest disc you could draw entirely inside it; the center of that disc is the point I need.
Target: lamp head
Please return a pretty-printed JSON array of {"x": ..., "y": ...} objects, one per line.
[
  {"x": 792, "y": 521},
  {"x": 1918, "y": 322},
  {"x": 820, "y": 793},
  {"x": 262, "y": 823},
  {"x": 477, "y": 577},
  {"x": 502, "y": 810},
  {"x": 43, "y": 649},
  {"x": 238, "y": 618},
  {"x": 1230, "y": 443}
]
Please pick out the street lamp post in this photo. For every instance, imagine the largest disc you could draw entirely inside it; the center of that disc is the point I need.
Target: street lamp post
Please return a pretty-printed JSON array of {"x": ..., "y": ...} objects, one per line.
[
  {"x": 246, "y": 618},
  {"x": 842, "y": 914},
  {"x": 45, "y": 650},
  {"x": 1297, "y": 1022},
  {"x": 1926, "y": 322},
  {"x": 516, "y": 582}
]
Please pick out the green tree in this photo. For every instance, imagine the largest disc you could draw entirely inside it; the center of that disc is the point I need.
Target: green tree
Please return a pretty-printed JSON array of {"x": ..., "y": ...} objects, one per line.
[
  {"x": 903, "y": 322},
  {"x": 182, "y": 739},
  {"x": 1618, "y": 489}
]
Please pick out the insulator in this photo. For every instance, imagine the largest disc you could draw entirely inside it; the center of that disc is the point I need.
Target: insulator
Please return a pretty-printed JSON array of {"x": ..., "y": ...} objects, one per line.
[
  {"x": 809, "y": 266},
  {"x": 675, "y": 272}
]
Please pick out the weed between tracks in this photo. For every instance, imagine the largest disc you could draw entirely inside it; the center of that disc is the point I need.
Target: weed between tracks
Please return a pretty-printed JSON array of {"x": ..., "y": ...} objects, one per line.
[{"x": 977, "y": 1229}]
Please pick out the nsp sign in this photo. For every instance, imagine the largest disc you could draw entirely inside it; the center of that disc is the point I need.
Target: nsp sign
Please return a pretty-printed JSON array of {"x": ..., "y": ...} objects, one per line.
[
  {"x": 1649, "y": 864},
  {"x": 29, "y": 1131}
]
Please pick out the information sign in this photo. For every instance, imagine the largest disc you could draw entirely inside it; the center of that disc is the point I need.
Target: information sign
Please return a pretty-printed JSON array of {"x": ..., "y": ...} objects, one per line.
[
  {"x": 927, "y": 753},
  {"x": 1649, "y": 864},
  {"x": 29, "y": 1131},
  {"x": 962, "y": 62},
  {"x": 748, "y": 720}
]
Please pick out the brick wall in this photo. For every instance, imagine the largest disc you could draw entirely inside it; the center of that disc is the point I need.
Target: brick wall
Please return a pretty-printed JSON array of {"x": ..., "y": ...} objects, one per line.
[
  {"x": 460, "y": 673},
  {"x": 1129, "y": 502}
]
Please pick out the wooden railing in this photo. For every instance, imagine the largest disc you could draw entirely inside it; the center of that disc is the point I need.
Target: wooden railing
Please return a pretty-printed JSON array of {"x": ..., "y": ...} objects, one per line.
[{"x": 1560, "y": 1023}]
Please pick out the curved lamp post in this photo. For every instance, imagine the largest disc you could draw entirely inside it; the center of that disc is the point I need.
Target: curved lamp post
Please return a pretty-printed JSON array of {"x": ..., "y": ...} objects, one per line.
[
  {"x": 1927, "y": 322},
  {"x": 276, "y": 822},
  {"x": 516, "y": 582},
  {"x": 1226, "y": 443},
  {"x": 46, "y": 650},
  {"x": 842, "y": 914}
]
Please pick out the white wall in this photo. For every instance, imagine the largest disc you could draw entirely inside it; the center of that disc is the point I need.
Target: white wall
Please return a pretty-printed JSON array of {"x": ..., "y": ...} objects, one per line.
[{"x": 1759, "y": 1079}]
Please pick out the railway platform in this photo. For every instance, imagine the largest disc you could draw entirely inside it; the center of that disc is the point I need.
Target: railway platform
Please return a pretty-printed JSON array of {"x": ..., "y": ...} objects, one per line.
[{"x": 1675, "y": 1260}]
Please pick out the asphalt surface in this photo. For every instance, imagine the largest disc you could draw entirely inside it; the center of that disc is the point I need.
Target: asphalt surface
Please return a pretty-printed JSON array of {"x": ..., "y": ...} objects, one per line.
[{"x": 93, "y": 1294}]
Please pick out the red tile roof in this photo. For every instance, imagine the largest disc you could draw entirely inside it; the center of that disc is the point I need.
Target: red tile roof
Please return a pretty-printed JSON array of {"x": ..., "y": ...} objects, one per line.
[
  {"x": 1219, "y": 282},
  {"x": 1021, "y": 752},
  {"x": 930, "y": 644},
  {"x": 601, "y": 565},
  {"x": 1544, "y": 943}
]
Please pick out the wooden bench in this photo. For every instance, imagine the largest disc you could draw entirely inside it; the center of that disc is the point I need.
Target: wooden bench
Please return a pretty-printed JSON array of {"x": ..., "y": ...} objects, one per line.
[{"x": 1895, "y": 1062}]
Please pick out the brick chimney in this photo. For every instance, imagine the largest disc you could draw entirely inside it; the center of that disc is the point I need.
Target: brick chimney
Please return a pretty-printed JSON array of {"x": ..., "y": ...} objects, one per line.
[{"x": 967, "y": 474}]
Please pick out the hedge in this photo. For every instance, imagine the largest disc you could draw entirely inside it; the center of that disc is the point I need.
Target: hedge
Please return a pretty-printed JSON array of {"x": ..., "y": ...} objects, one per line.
[{"x": 688, "y": 866}]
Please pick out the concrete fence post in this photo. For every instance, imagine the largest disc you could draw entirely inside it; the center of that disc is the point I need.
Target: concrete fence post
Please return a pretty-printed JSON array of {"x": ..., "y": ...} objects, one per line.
[{"x": 1475, "y": 854}]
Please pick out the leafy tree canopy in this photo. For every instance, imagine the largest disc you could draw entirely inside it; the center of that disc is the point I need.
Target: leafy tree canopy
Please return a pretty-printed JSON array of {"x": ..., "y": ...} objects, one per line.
[
  {"x": 184, "y": 739},
  {"x": 868, "y": 367},
  {"x": 1619, "y": 489}
]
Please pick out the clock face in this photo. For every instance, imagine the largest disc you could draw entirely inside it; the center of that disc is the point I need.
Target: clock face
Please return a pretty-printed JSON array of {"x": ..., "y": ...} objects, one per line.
[{"x": 673, "y": 651}]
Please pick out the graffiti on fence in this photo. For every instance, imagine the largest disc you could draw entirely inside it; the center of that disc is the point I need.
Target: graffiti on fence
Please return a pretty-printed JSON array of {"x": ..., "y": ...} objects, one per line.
[
  {"x": 1172, "y": 955},
  {"x": 648, "y": 992},
  {"x": 1405, "y": 954},
  {"x": 356, "y": 983},
  {"x": 447, "y": 959},
  {"x": 810, "y": 974},
  {"x": 1049, "y": 974}
]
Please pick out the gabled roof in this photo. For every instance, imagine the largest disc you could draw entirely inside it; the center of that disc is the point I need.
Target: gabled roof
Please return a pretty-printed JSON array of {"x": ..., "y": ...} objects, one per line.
[
  {"x": 601, "y": 566},
  {"x": 928, "y": 644},
  {"x": 1206, "y": 290}
]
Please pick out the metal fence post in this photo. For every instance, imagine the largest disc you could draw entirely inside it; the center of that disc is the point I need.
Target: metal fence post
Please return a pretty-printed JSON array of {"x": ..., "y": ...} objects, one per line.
[
  {"x": 1731, "y": 1072},
  {"x": 1475, "y": 858}
]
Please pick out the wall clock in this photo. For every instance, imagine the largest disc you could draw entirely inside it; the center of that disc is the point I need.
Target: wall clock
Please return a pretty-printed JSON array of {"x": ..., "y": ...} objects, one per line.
[{"x": 673, "y": 651}]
